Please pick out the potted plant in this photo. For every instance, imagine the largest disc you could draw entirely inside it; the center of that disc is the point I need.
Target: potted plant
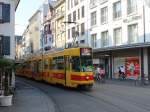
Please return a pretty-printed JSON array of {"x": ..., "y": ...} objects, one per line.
[{"x": 6, "y": 70}]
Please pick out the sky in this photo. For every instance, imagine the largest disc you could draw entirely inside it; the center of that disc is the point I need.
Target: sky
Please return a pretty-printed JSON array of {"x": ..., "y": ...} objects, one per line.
[{"x": 24, "y": 11}]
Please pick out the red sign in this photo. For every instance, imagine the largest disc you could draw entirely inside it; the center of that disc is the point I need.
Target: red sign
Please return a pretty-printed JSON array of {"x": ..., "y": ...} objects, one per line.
[{"x": 132, "y": 67}]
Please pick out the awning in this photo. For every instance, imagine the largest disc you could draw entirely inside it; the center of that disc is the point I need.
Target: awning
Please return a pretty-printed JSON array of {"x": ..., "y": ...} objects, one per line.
[{"x": 129, "y": 46}]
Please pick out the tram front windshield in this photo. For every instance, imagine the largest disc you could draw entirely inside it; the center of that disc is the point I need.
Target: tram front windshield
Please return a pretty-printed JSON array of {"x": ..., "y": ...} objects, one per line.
[
  {"x": 82, "y": 64},
  {"x": 86, "y": 63}
]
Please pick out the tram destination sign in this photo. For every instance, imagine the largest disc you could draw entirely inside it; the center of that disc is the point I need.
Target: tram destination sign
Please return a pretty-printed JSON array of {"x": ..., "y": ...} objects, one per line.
[{"x": 86, "y": 51}]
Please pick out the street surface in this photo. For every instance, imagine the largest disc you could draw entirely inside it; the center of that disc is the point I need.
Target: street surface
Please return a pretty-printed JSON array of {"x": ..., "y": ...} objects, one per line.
[{"x": 103, "y": 98}]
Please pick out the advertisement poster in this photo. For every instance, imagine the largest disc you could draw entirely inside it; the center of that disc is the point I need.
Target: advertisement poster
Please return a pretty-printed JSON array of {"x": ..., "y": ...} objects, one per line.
[{"x": 132, "y": 67}]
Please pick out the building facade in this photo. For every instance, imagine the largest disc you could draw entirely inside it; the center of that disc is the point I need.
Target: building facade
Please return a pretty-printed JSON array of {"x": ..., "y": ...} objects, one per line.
[
  {"x": 120, "y": 36},
  {"x": 60, "y": 33},
  {"x": 77, "y": 22},
  {"x": 48, "y": 26},
  {"x": 32, "y": 35},
  {"x": 7, "y": 30},
  {"x": 18, "y": 46}
]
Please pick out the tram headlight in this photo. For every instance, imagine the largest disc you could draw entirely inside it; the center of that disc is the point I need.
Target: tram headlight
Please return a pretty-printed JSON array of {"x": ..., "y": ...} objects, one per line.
[{"x": 87, "y": 77}]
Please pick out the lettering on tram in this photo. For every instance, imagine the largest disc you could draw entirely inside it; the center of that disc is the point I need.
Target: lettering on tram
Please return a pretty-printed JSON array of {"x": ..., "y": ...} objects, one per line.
[{"x": 70, "y": 67}]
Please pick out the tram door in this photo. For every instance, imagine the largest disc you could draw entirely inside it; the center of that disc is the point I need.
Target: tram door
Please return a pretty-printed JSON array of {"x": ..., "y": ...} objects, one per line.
[{"x": 67, "y": 70}]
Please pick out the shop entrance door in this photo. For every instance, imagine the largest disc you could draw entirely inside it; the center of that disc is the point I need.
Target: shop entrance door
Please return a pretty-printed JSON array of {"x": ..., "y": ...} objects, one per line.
[
  {"x": 107, "y": 68},
  {"x": 105, "y": 64},
  {"x": 149, "y": 64}
]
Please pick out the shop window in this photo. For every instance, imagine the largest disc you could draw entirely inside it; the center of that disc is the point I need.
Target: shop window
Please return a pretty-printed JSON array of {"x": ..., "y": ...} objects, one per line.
[{"x": 128, "y": 65}]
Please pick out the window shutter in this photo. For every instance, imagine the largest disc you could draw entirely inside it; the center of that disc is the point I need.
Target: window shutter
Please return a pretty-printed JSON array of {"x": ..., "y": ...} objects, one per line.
[
  {"x": 6, "y": 12},
  {"x": 6, "y": 45}
]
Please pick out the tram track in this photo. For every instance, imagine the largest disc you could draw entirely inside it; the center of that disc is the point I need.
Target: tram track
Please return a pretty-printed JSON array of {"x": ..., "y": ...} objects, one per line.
[
  {"x": 66, "y": 98},
  {"x": 94, "y": 98},
  {"x": 98, "y": 99}
]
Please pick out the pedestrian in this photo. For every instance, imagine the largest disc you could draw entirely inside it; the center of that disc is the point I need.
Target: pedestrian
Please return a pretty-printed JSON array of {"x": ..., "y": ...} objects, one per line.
[
  {"x": 102, "y": 74},
  {"x": 122, "y": 72},
  {"x": 98, "y": 73},
  {"x": 119, "y": 71}
]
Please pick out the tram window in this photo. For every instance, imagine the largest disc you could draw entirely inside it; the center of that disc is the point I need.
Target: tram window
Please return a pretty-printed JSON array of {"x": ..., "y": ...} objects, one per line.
[
  {"x": 75, "y": 63},
  {"x": 50, "y": 64},
  {"x": 32, "y": 66},
  {"x": 60, "y": 63},
  {"x": 54, "y": 63},
  {"x": 40, "y": 66},
  {"x": 86, "y": 64},
  {"x": 45, "y": 64},
  {"x": 28, "y": 65},
  {"x": 35, "y": 67}
]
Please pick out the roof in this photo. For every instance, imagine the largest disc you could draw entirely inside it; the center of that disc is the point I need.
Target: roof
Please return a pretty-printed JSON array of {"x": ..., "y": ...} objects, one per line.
[
  {"x": 16, "y": 4},
  {"x": 34, "y": 15}
]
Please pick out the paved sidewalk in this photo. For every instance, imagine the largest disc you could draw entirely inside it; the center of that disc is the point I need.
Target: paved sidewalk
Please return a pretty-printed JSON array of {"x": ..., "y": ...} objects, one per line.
[
  {"x": 131, "y": 83},
  {"x": 29, "y": 99}
]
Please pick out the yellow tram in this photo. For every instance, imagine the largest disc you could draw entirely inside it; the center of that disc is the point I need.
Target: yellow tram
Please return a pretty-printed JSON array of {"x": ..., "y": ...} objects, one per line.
[{"x": 70, "y": 67}]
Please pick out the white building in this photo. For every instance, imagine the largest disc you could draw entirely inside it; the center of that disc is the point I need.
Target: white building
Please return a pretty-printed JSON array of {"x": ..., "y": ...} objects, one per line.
[
  {"x": 120, "y": 35},
  {"x": 48, "y": 24},
  {"x": 77, "y": 21},
  {"x": 7, "y": 29},
  {"x": 32, "y": 35}
]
